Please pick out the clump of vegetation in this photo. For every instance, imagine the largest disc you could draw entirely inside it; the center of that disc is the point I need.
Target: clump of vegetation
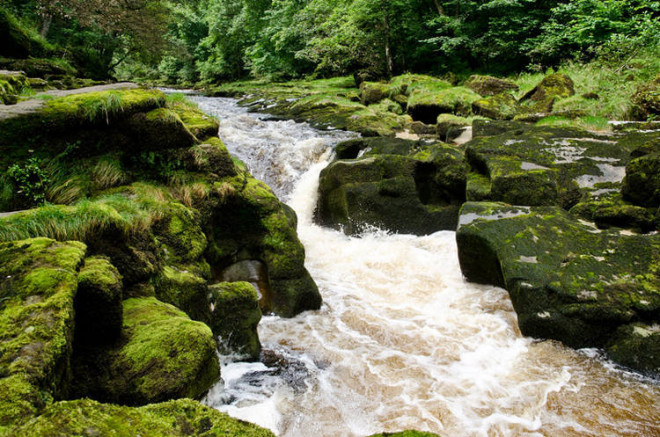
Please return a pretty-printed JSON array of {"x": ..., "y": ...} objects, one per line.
[{"x": 30, "y": 181}]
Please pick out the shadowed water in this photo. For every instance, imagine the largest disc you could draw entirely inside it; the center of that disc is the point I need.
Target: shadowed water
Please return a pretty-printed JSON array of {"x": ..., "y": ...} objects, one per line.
[{"x": 402, "y": 341}]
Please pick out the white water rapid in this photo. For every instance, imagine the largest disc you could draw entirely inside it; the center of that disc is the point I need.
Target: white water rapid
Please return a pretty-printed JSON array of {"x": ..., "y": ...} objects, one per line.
[{"x": 402, "y": 340}]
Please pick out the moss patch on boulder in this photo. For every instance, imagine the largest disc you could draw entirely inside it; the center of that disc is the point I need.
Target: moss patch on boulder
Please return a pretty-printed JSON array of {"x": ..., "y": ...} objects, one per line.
[
  {"x": 646, "y": 100},
  {"x": 235, "y": 315},
  {"x": 498, "y": 107},
  {"x": 163, "y": 355},
  {"x": 403, "y": 186},
  {"x": 37, "y": 289},
  {"x": 174, "y": 418},
  {"x": 567, "y": 280},
  {"x": 489, "y": 85}
]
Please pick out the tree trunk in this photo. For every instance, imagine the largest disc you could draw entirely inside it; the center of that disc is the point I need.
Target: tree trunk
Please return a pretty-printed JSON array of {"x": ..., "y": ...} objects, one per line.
[
  {"x": 388, "y": 49},
  {"x": 45, "y": 25},
  {"x": 441, "y": 10}
]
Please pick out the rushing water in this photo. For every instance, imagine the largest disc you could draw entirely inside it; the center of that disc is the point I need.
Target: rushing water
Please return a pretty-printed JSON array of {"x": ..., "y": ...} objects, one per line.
[{"x": 402, "y": 341}]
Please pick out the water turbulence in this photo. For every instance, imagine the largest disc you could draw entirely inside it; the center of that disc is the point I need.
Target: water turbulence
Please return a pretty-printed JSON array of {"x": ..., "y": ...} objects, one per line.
[{"x": 402, "y": 341}]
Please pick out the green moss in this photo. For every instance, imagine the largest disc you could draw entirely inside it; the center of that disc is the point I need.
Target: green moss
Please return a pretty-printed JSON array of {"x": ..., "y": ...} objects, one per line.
[
  {"x": 489, "y": 85},
  {"x": 185, "y": 287},
  {"x": 174, "y": 418},
  {"x": 567, "y": 281},
  {"x": 201, "y": 125},
  {"x": 498, "y": 107},
  {"x": 426, "y": 102},
  {"x": 235, "y": 316},
  {"x": 637, "y": 346},
  {"x": 164, "y": 355},
  {"x": 39, "y": 282}
]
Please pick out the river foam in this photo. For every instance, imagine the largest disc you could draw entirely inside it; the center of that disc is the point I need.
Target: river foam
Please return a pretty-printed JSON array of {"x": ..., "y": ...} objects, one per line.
[{"x": 402, "y": 340}]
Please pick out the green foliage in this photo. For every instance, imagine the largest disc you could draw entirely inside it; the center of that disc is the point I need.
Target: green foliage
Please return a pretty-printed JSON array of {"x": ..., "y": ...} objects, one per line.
[
  {"x": 103, "y": 107},
  {"x": 30, "y": 181}
]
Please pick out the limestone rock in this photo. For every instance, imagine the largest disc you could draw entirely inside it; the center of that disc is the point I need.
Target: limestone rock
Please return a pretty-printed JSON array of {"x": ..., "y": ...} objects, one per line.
[
  {"x": 567, "y": 280},
  {"x": 403, "y": 186}
]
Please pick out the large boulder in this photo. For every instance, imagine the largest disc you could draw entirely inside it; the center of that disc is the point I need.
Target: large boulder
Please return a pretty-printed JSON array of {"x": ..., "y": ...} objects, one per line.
[
  {"x": 38, "y": 284},
  {"x": 498, "y": 107},
  {"x": 373, "y": 92},
  {"x": 163, "y": 355},
  {"x": 541, "y": 98},
  {"x": 174, "y": 418},
  {"x": 528, "y": 165},
  {"x": 489, "y": 85},
  {"x": 12, "y": 84},
  {"x": 642, "y": 182},
  {"x": 567, "y": 280},
  {"x": 399, "y": 185},
  {"x": 427, "y": 102}
]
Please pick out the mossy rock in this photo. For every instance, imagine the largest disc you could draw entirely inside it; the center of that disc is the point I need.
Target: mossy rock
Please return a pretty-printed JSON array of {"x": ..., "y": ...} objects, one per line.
[
  {"x": 180, "y": 235},
  {"x": 539, "y": 165},
  {"x": 37, "y": 289},
  {"x": 403, "y": 186},
  {"x": 210, "y": 157},
  {"x": 646, "y": 100},
  {"x": 609, "y": 209},
  {"x": 567, "y": 280},
  {"x": 642, "y": 182},
  {"x": 164, "y": 355},
  {"x": 160, "y": 129},
  {"x": 377, "y": 120},
  {"x": 637, "y": 346},
  {"x": 12, "y": 83},
  {"x": 498, "y": 107},
  {"x": 373, "y": 92},
  {"x": 489, "y": 85},
  {"x": 99, "y": 312},
  {"x": 426, "y": 103},
  {"x": 449, "y": 126},
  {"x": 44, "y": 68},
  {"x": 235, "y": 315},
  {"x": 250, "y": 223},
  {"x": 557, "y": 85},
  {"x": 16, "y": 41},
  {"x": 173, "y": 418},
  {"x": 185, "y": 287},
  {"x": 201, "y": 125},
  {"x": 322, "y": 110}
]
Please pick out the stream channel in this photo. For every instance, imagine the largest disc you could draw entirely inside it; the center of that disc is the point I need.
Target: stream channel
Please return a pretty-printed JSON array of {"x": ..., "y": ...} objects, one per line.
[{"x": 402, "y": 340}]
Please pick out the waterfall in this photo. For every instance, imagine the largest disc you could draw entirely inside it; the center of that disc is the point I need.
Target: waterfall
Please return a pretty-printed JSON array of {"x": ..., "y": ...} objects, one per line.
[{"x": 402, "y": 340}]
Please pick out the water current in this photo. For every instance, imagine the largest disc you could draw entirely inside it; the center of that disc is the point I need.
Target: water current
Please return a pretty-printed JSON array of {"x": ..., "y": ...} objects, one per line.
[{"x": 402, "y": 340}]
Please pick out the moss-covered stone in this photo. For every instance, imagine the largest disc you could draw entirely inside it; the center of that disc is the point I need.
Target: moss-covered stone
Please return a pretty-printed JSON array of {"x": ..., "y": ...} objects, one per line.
[
  {"x": 646, "y": 100},
  {"x": 427, "y": 102},
  {"x": 449, "y": 126},
  {"x": 498, "y": 107},
  {"x": 45, "y": 68},
  {"x": 373, "y": 92},
  {"x": 642, "y": 182},
  {"x": 12, "y": 83},
  {"x": 400, "y": 185},
  {"x": 555, "y": 85},
  {"x": 99, "y": 313},
  {"x": 164, "y": 355},
  {"x": 609, "y": 209},
  {"x": 235, "y": 315},
  {"x": 637, "y": 346},
  {"x": 160, "y": 129},
  {"x": 174, "y": 418},
  {"x": 16, "y": 41},
  {"x": 250, "y": 223},
  {"x": 201, "y": 125},
  {"x": 37, "y": 289},
  {"x": 211, "y": 157},
  {"x": 539, "y": 165},
  {"x": 489, "y": 85},
  {"x": 567, "y": 280}
]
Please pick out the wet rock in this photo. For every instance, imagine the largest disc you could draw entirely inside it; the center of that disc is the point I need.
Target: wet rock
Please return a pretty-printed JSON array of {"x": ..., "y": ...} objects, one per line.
[
  {"x": 399, "y": 185},
  {"x": 637, "y": 346},
  {"x": 235, "y": 315},
  {"x": 489, "y": 85},
  {"x": 567, "y": 280}
]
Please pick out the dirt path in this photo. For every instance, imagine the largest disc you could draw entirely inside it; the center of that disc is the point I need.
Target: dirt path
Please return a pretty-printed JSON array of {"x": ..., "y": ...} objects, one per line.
[{"x": 32, "y": 105}]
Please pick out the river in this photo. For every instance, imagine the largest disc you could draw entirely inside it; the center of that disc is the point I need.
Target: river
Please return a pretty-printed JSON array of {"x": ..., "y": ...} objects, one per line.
[{"x": 402, "y": 340}]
